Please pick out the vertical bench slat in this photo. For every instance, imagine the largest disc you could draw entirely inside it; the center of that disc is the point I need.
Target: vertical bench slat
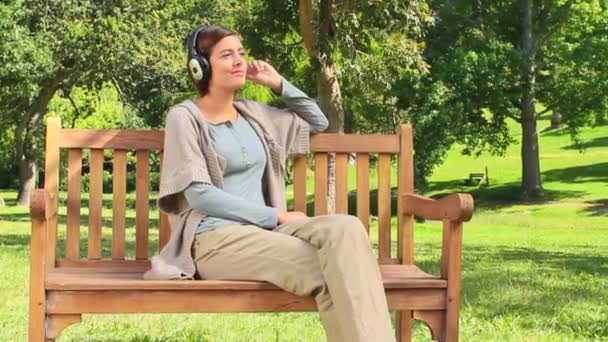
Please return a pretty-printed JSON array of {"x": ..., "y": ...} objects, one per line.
[
  {"x": 363, "y": 189},
  {"x": 164, "y": 230},
  {"x": 342, "y": 183},
  {"x": 405, "y": 178},
  {"x": 320, "y": 183},
  {"x": 141, "y": 204},
  {"x": 119, "y": 189},
  {"x": 299, "y": 184},
  {"x": 443, "y": 264},
  {"x": 95, "y": 203},
  {"x": 72, "y": 235},
  {"x": 384, "y": 205}
]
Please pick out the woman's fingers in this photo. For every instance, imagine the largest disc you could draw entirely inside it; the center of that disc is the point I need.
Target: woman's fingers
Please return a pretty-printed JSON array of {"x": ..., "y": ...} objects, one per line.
[{"x": 258, "y": 66}]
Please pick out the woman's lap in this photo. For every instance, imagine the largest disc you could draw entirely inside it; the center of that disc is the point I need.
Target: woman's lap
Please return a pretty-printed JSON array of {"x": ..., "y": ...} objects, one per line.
[{"x": 248, "y": 252}]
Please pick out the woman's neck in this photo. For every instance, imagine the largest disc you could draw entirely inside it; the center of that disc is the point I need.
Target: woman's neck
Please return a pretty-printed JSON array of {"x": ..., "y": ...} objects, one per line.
[{"x": 217, "y": 106}]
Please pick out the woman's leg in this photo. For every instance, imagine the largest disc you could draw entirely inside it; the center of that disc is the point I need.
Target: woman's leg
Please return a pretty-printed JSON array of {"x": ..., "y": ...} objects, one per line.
[
  {"x": 351, "y": 272},
  {"x": 246, "y": 252}
]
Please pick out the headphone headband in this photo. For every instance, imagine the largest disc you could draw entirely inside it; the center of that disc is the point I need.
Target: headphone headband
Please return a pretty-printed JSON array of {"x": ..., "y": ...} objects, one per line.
[{"x": 192, "y": 39}]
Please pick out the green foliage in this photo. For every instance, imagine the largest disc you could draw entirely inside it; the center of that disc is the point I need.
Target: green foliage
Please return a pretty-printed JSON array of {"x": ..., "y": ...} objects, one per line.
[
  {"x": 476, "y": 80},
  {"x": 575, "y": 80}
]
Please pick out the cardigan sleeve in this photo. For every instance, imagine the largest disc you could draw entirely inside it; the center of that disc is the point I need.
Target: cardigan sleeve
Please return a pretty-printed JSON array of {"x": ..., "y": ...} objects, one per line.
[
  {"x": 183, "y": 160},
  {"x": 305, "y": 107},
  {"x": 215, "y": 202},
  {"x": 293, "y": 125}
]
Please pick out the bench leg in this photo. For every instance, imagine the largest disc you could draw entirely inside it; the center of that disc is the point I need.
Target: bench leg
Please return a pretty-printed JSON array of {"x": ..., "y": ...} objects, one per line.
[
  {"x": 36, "y": 325},
  {"x": 404, "y": 326},
  {"x": 435, "y": 321}
]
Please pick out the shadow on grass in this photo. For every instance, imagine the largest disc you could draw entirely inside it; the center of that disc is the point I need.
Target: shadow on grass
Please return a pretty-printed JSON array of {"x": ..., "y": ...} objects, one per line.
[
  {"x": 506, "y": 195},
  {"x": 597, "y": 142},
  {"x": 598, "y": 207},
  {"x": 84, "y": 220},
  {"x": 488, "y": 197},
  {"x": 577, "y": 174},
  {"x": 549, "y": 286},
  {"x": 9, "y": 201},
  {"x": 23, "y": 240},
  {"x": 352, "y": 203}
]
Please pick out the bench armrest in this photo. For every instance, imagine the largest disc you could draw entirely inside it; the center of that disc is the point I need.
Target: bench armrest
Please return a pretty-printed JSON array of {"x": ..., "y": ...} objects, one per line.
[
  {"x": 454, "y": 207},
  {"x": 43, "y": 204}
]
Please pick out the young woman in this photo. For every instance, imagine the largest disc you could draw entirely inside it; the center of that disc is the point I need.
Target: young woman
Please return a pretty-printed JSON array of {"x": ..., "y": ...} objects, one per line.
[{"x": 223, "y": 189}]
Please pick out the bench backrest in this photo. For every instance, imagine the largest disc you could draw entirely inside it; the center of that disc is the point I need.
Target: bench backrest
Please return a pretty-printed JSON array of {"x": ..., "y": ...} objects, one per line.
[{"x": 133, "y": 247}]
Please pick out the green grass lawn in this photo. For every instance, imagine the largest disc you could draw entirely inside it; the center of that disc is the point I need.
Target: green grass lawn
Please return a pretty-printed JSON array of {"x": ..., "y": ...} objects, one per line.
[{"x": 533, "y": 271}]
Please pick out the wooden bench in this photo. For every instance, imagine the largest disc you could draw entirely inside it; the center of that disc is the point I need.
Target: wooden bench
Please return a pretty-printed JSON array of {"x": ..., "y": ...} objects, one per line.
[
  {"x": 65, "y": 284},
  {"x": 478, "y": 178}
]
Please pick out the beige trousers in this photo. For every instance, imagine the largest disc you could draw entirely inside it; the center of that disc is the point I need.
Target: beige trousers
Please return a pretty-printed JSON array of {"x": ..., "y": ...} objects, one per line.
[{"x": 328, "y": 257}]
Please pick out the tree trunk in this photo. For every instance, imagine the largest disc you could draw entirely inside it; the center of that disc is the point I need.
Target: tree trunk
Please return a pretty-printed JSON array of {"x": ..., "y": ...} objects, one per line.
[
  {"x": 26, "y": 137},
  {"x": 330, "y": 101},
  {"x": 531, "y": 185},
  {"x": 318, "y": 47}
]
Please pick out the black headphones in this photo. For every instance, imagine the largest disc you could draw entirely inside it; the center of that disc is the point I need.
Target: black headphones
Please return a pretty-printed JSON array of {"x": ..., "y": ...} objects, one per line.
[{"x": 198, "y": 63}]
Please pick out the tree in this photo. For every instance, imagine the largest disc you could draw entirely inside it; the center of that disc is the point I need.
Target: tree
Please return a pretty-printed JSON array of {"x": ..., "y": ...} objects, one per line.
[
  {"x": 498, "y": 59},
  {"x": 349, "y": 53},
  {"x": 54, "y": 45}
]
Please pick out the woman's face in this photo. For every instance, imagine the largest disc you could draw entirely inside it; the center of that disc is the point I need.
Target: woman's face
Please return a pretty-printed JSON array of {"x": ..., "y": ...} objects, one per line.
[{"x": 228, "y": 64}]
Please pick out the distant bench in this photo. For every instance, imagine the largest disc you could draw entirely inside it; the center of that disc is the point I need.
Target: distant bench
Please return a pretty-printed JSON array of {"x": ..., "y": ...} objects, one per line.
[
  {"x": 478, "y": 178},
  {"x": 66, "y": 284}
]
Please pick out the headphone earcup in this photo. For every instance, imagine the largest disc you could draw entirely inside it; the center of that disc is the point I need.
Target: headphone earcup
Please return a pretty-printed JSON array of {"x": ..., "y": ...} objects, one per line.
[
  {"x": 199, "y": 69},
  {"x": 196, "y": 69}
]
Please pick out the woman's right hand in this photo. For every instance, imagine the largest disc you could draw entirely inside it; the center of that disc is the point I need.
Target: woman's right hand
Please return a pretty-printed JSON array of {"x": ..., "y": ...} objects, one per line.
[{"x": 288, "y": 216}]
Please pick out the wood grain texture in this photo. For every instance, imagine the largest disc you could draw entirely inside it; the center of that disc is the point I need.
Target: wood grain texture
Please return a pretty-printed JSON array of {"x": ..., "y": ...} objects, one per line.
[
  {"x": 405, "y": 185},
  {"x": 344, "y": 143},
  {"x": 320, "y": 183},
  {"x": 384, "y": 205},
  {"x": 363, "y": 189},
  {"x": 51, "y": 183},
  {"x": 95, "y": 204},
  {"x": 72, "y": 238},
  {"x": 165, "y": 229},
  {"x": 142, "y": 206},
  {"x": 341, "y": 183},
  {"x": 119, "y": 204},
  {"x": 299, "y": 184},
  {"x": 112, "y": 139}
]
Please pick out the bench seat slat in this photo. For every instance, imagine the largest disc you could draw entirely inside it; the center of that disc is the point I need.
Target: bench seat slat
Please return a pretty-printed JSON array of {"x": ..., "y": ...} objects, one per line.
[
  {"x": 394, "y": 276},
  {"x": 135, "y": 301}
]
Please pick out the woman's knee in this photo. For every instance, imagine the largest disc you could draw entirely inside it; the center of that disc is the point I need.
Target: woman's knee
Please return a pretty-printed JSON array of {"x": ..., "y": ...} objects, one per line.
[{"x": 340, "y": 225}]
